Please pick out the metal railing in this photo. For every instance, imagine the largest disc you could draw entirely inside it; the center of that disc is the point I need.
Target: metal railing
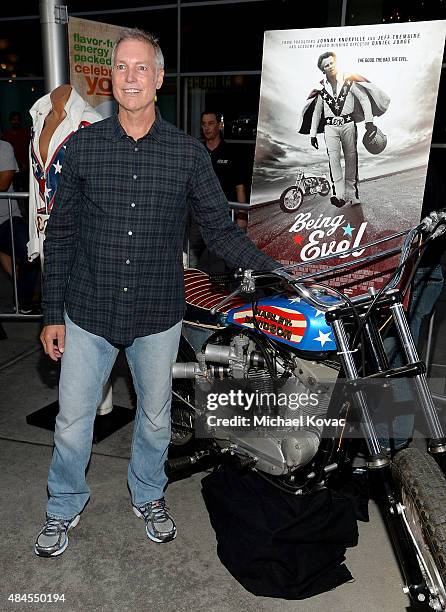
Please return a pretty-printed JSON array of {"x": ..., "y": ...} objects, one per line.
[{"x": 16, "y": 315}]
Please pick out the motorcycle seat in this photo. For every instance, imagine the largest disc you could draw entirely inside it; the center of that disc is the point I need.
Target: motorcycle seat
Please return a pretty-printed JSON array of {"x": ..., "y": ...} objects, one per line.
[{"x": 201, "y": 295}]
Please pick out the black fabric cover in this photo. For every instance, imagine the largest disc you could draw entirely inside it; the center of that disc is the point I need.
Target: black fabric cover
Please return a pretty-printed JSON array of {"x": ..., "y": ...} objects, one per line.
[{"x": 276, "y": 544}]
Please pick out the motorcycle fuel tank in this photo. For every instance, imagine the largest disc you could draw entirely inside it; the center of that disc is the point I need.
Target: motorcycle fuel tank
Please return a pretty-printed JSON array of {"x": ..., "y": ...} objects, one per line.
[{"x": 288, "y": 320}]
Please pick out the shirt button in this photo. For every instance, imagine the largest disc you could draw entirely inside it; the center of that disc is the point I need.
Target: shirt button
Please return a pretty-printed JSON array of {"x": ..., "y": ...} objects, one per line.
[
  {"x": 135, "y": 176},
  {"x": 125, "y": 289},
  {"x": 127, "y": 261},
  {"x": 130, "y": 233},
  {"x": 133, "y": 204},
  {"x": 136, "y": 148}
]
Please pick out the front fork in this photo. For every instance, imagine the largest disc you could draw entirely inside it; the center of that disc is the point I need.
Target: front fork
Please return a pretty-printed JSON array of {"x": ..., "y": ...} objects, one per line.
[{"x": 437, "y": 443}]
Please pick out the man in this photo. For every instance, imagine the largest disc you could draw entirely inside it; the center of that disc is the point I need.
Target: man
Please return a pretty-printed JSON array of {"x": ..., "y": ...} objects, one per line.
[
  {"x": 18, "y": 137},
  {"x": 26, "y": 273},
  {"x": 224, "y": 161},
  {"x": 337, "y": 105},
  {"x": 114, "y": 279},
  {"x": 229, "y": 173}
]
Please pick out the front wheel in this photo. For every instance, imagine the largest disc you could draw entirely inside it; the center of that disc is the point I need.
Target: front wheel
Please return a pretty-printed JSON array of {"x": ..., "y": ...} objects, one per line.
[
  {"x": 291, "y": 199},
  {"x": 423, "y": 494},
  {"x": 183, "y": 402}
]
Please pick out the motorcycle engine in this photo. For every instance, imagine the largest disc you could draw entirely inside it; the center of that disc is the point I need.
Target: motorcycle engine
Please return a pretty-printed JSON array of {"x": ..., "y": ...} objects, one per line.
[{"x": 288, "y": 433}]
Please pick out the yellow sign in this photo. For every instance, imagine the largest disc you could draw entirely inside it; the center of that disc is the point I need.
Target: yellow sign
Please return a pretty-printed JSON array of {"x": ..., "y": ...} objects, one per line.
[{"x": 90, "y": 50}]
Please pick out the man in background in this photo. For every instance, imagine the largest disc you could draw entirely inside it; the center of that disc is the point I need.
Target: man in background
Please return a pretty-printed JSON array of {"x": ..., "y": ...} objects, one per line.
[
  {"x": 228, "y": 169},
  {"x": 226, "y": 164},
  {"x": 26, "y": 273},
  {"x": 18, "y": 138}
]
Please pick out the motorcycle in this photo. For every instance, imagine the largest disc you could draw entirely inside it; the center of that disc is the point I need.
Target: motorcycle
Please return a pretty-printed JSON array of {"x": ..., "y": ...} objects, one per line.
[
  {"x": 306, "y": 185},
  {"x": 315, "y": 342}
]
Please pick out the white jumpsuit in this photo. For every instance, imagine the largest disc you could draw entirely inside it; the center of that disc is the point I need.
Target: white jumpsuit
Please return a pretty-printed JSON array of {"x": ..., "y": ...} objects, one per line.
[{"x": 344, "y": 185}]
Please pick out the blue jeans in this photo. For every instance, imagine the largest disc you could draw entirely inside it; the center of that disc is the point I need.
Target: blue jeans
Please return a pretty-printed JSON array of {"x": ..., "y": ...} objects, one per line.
[
  {"x": 427, "y": 286},
  {"x": 86, "y": 365}
]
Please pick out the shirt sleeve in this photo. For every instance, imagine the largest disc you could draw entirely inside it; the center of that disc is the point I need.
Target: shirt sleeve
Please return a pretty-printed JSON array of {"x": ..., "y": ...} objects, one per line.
[
  {"x": 61, "y": 239},
  {"x": 317, "y": 114},
  {"x": 211, "y": 211},
  {"x": 364, "y": 101},
  {"x": 7, "y": 159},
  {"x": 239, "y": 178}
]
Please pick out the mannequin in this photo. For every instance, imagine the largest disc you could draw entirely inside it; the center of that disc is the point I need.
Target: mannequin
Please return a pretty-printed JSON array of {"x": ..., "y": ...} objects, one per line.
[
  {"x": 59, "y": 97},
  {"x": 56, "y": 117}
]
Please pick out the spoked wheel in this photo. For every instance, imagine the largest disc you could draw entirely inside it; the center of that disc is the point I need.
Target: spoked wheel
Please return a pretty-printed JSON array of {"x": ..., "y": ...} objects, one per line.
[
  {"x": 291, "y": 199},
  {"x": 423, "y": 494},
  {"x": 182, "y": 413}
]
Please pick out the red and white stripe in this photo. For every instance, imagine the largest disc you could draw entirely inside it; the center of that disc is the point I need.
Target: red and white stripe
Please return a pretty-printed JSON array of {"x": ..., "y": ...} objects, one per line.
[
  {"x": 297, "y": 327},
  {"x": 200, "y": 292}
]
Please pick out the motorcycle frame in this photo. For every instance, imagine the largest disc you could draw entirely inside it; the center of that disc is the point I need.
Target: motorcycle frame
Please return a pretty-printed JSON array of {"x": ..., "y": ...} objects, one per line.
[{"x": 332, "y": 452}]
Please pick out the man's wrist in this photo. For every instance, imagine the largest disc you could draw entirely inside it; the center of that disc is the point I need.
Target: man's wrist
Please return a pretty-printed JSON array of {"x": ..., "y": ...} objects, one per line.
[{"x": 53, "y": 316}]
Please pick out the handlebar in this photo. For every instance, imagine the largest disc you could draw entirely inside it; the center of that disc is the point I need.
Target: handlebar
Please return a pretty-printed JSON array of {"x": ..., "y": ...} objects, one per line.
[{"x": 434, "y": 225}]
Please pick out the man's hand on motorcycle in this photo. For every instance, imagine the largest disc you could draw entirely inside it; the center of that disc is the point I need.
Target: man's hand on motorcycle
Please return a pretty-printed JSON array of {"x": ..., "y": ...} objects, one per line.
[
  {"x": 314, "y": 142},
  {"x": 52, "y": 338}
]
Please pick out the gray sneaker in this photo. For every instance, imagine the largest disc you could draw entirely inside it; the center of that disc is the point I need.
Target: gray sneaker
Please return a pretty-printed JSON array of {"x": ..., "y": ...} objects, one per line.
[
  {"x": 52, "y": 539},
  {"x": 160, "y": 526}
]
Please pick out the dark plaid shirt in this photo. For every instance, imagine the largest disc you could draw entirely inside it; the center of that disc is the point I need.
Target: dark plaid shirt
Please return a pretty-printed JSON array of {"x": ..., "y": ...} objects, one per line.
[{"x": 113, "y": 248}]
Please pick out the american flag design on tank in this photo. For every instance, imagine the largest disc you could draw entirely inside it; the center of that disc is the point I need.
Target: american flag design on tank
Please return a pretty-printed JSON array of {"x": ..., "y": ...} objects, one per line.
[
  {"x": 280, "y": 323},
  {"x": 289, "y": 320},
  {"x": 48, "y": 178}
]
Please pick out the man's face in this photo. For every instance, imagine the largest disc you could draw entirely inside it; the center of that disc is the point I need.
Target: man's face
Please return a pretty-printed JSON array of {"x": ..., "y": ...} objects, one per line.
[
  {"x": 210, "y": 126},
  {"x": 15, "y": 122},
  {"x": 329, "y": 67},
  {"x": 135, "y": 78}
]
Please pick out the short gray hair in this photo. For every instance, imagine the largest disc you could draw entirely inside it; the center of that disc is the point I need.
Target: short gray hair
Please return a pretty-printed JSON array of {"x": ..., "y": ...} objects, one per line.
[{"x": 137, "y": 34}]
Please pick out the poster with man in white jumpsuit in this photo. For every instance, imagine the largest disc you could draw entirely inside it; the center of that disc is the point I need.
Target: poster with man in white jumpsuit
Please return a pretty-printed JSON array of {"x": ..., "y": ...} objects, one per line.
[{"x": 343, "y": 141}]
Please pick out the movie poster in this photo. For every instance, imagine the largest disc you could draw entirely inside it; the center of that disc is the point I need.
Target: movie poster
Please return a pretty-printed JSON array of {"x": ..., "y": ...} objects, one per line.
[{"x": 343, "y": 140}]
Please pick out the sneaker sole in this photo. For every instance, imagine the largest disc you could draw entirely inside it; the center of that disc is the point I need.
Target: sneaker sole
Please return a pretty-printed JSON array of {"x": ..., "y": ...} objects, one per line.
[
  {"x": 149, "y": 535},
  {"x": 61, "y": 550}
]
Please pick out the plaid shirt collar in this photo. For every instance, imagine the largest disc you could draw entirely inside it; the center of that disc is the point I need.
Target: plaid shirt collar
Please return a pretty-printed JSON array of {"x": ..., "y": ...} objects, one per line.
[{"x": 116, "y": 131}]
